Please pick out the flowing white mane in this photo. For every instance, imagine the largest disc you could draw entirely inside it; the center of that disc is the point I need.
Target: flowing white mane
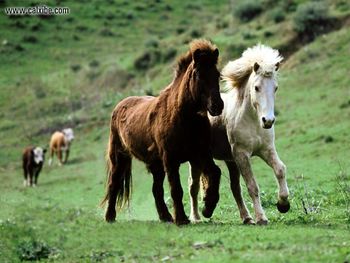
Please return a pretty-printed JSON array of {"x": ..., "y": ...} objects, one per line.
[{"x": 236, "y": 72}]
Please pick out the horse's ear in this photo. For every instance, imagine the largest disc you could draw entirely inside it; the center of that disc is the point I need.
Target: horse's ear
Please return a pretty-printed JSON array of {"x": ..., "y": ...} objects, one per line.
[
  {"x": 277, "y": 66},
  {"x": 256, "y": 67},
  {"x": 197, "y": 56},
  {"x": 216, "y": 53}
]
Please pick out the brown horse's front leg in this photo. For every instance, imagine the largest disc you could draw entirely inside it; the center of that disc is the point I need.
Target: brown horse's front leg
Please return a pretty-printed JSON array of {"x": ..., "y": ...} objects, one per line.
[
  {"x": 212, "y": 174},
  {"x": 177, "y": 194},
  {"x": 158, "y": 173}
]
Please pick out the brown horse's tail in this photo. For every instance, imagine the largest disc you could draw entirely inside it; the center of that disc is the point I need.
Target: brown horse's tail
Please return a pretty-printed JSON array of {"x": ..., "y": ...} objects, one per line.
[{"x": 119, "y": 180}]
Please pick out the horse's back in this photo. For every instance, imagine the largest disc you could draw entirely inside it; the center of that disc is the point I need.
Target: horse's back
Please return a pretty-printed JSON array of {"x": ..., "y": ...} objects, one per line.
[
  {"x": 131, "y": 121},
  {"x": 134, "y": 101},
  {"x": 57, "y": 138},
  {"x": 132, "y": 110}
]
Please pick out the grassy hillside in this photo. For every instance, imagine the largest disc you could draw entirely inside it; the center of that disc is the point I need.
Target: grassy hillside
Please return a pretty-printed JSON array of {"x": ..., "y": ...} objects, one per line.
[{"x": 72, "y": 70}]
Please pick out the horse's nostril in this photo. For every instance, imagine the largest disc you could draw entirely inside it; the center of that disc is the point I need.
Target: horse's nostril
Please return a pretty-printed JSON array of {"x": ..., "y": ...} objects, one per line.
[
  {"x": 273, "y": 121},
  {"x": 263, "y": 119}
]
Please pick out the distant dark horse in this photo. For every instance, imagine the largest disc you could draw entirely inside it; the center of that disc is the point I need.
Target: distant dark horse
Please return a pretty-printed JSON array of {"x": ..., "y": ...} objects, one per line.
[
  {"x": 166, "y": 131},
  {"x": 32, "y": 163}
]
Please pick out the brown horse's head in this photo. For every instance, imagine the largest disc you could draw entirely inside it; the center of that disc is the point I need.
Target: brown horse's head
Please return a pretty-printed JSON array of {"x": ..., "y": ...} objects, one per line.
[{"x": 205, "y": 76}]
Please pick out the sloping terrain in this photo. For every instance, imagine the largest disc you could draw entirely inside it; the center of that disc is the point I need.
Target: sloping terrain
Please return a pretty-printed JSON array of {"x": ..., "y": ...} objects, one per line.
[{"x": 72, "y": 70}]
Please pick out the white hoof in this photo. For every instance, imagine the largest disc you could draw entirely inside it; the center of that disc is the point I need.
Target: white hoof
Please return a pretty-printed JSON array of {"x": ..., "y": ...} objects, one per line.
[{"x": 195, "y": 218}]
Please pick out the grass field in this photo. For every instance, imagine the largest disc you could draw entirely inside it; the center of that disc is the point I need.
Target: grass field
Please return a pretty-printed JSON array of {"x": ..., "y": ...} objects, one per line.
[{"x": 81, "y": 65}]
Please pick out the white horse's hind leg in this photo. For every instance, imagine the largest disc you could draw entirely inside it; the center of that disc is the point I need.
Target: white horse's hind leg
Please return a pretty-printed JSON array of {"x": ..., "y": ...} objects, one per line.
[
  {"x": 242, "y": 160},
  {"x": 193, "y": 185},
  {"x": 237, "y": 193},
  {"x": 272, "y": 159}
]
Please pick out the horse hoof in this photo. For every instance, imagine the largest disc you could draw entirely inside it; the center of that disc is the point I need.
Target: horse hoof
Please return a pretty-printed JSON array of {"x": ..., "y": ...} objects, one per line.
[
  {"x": 207, "y": 213},
  {"x": 184, "y": 221},
  {"x": 283, "y": 208},
  {"x": 195, "y": 219},
  {"x": 262, "y": 222},
  {"x": 167, "y": 219},
  {"x": 248, "y": 221},
  {"x": 110, "y": 216}
]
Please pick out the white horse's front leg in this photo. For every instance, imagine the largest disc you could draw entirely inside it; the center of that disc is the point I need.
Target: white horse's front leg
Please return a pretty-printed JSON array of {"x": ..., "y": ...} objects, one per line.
[
  {"x": 193, "y": 185},
  {"x": 243, "y": 161},
  {"x": 272, "y": 159}
]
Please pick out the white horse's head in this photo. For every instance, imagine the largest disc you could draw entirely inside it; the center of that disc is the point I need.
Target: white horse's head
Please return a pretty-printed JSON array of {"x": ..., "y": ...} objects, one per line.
[
  {"x": 263, "y": 86},
  {"x": 68, "y": 134},
  {"x": 256, "y": 72}
]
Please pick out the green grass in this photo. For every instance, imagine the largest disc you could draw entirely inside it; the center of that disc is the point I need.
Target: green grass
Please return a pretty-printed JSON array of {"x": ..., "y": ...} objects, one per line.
[{"x": 61, "y": 218}]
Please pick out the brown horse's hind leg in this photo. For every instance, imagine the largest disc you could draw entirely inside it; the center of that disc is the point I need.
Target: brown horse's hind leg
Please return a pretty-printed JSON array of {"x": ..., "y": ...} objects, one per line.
[
  {"x": 158, "y": 192},
  {"x": 66, "y": 156},
  {"x": 237, "y": 193},
  {"x": 176, "y": 194},
  {"x": 194, "y": 186},
  {"x": 116, "y": 191}
]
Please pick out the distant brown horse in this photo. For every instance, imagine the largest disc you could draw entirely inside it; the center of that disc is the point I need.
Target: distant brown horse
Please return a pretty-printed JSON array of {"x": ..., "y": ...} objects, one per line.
[
  {"x": 60, "y": 143},
  {"x": 166, "y": 131}
]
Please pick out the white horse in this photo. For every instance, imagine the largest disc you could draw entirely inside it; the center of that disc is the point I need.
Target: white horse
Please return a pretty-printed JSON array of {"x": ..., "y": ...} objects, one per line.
[{"x": 245, "y": 128}]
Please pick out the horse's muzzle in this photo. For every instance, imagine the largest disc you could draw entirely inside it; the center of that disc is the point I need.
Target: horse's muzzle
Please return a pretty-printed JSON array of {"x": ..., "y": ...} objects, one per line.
[
  {"x": 215, "y": 112},
  {"x": 267, "y": 123},
  {"x": 216, "y": 109}
]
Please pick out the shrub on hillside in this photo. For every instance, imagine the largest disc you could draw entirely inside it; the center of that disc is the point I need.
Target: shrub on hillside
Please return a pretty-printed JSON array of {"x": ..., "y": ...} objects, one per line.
[
  {"x": 106, "y": 32},
  {"x": 289, "y": 5},
  {"x": 248, "y": 10},
  {"x": 152, "y": 43},
  {"x": 169, "y": 54},
  {"x": 233, "y": 51},
  {"x": 30, "y": 39},
  {"x": 311, "y": 19},
  {"x": 277, "y": 15},
  {"x": 147, "y": 60},
  {"x": 35, "y": 250},
  {"x": 195, "y": 33}
]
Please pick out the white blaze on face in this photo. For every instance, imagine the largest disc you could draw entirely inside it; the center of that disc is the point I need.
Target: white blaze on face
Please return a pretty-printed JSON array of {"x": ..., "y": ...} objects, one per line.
[
  {"x": 263, "y": 97},
  {"x": 68, "y": 134},
  {"x": 38, "y": 155}
]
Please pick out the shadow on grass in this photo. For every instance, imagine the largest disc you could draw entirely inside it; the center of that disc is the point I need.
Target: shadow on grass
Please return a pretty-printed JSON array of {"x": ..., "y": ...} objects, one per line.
[
  {"x": 60, "y": 180},
  {"x": 77, "y": 160}
]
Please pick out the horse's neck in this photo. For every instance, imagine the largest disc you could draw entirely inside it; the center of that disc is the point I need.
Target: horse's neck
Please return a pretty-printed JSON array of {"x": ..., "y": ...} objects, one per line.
[{"x": 187, "y": 102}]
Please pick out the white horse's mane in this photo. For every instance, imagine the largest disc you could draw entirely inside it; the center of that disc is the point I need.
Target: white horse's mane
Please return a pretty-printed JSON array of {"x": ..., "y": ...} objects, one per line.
[{"x": 236, "y": 72}]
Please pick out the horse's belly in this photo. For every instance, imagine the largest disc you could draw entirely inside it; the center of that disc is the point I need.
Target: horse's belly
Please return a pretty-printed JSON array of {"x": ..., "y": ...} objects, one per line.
[{"x": 219, "y": 143}]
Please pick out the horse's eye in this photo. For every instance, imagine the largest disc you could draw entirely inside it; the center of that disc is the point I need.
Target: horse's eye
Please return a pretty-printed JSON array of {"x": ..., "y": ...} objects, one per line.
[
  {"x": 257, "y": 89},
  {"x": 276, "y": 88}
]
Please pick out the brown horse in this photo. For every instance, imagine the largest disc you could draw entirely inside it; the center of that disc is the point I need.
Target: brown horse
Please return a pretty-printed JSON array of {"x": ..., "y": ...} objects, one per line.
[{"x": 166, "y": 131}]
